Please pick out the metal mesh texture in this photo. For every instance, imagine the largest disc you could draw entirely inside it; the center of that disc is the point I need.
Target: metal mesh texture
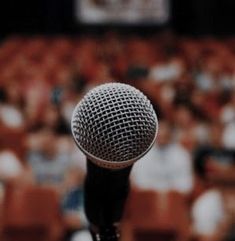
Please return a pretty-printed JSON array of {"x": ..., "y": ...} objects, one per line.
[{"x": 113, "y": 124}]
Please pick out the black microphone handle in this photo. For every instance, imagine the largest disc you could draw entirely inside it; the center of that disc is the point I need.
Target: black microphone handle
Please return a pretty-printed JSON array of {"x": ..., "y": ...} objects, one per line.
[{"x": 106, "y": 192}]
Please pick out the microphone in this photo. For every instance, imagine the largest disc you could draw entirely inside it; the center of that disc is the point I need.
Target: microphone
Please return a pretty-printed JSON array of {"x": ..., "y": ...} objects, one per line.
[{"x": 114, "y": 125}]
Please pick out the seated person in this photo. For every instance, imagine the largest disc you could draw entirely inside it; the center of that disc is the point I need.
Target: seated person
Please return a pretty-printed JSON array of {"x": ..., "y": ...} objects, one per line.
[
  {"x": 52, "y": 164},
  {"x": 166, "y": 167},
  {"x": 210, "y": 220},
  {"x": 72, "y": 203},
  {"x": 217, "y": 161},
  {"x": 10, "y": 165},
  {"x": 82, "y": 236},
  {"x": 11, "y": 170}
]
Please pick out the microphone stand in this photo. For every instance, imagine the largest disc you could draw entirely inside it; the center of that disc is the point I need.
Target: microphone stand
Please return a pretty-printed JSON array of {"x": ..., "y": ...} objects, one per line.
[
  {"x": 106, "y": 234},
  {"x": 106, "y": 191}
]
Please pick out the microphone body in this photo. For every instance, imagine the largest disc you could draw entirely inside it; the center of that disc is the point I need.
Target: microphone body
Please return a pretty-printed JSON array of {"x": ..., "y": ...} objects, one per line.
[
  {"x": 106, "y": 192},
  {"x": 114, "y": 125}
]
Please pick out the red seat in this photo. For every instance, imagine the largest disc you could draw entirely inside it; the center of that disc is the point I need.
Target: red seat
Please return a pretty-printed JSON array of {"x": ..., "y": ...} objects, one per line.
[
  {"x": 152, "y": 216},
  {"x": 13, "y": 139},
  {"x": 31, "y": 213}
]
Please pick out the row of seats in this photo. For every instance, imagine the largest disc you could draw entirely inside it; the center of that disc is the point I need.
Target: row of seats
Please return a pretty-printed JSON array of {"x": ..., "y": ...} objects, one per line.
[
  {"x": 152, "y": 216},
  {"x": 33, "y": 213}
]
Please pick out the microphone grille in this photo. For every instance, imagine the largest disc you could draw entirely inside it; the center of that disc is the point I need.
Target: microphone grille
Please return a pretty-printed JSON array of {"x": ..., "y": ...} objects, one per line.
[{"x": 114, "y": 125}]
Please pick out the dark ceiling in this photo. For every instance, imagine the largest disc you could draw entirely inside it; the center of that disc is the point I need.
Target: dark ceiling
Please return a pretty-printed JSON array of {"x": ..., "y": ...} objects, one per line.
[{"x": 194, "y": 17}]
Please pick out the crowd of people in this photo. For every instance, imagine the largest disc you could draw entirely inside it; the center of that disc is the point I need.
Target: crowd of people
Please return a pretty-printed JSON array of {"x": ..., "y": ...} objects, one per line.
[{"x": 191, "y": 83}]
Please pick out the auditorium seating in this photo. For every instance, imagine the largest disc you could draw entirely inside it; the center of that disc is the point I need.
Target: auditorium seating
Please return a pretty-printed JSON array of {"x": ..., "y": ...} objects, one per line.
[
  {"x": 13, "y": 139},
  {"x": 31, "y": 214},
  {"x": 152, "y": 216}
]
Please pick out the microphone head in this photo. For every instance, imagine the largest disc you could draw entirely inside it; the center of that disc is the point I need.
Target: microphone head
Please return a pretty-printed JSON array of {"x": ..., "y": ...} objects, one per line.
[{"x": 114, "y": 125}]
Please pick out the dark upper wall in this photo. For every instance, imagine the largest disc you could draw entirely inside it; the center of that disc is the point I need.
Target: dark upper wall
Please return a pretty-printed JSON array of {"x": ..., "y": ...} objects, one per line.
[
  {"x": 56, "y": 16},
  {"x": 204, "y": 16}
]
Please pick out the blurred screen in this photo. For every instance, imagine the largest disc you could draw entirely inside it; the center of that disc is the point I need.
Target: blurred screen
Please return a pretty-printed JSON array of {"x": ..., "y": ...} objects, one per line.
[{"x": 123, "y": 11}]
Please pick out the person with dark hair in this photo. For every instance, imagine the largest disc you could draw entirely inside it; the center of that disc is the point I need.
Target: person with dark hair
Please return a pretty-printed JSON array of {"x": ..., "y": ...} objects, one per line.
[
  {"x": 52, "y": 164},
  {"x": 166, "y": 167},
  {"x": 11, "y": 106},
  {"x": 209, "y": 215}
]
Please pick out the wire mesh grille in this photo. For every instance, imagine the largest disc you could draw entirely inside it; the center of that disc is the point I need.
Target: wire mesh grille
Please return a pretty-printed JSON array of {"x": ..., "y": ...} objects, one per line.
[{"x": 114, "y": 122}]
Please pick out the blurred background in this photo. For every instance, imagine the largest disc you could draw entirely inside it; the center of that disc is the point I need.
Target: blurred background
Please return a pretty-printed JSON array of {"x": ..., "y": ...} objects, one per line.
[{"x": 181, "y": 54}]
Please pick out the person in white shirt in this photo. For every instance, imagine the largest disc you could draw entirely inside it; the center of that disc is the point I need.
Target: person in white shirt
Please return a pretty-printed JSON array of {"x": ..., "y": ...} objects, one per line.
[
  {"x": 210, "y": 219},
  {"x": 82, "y": 236},
  {"x": 166, "y": 167},
  {"x": 208, "y": 213},
  {"x": 10, "y": 165},
  {"x": 11, "y": 169}
]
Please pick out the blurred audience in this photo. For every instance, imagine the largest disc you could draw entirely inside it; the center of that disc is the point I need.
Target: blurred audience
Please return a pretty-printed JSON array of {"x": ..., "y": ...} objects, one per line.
[
  {"x": 209, "y": 218},
  {"x": 11, "y": 114},
  {"x": 214, "y": 159},
  {"x": 53, "y": 164},
  {"x": 10, "y": 165},
  {"x": 213, "y": 164},
  {"x": 190, "y": 82},
  {"x": 166, "y": 167}
]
